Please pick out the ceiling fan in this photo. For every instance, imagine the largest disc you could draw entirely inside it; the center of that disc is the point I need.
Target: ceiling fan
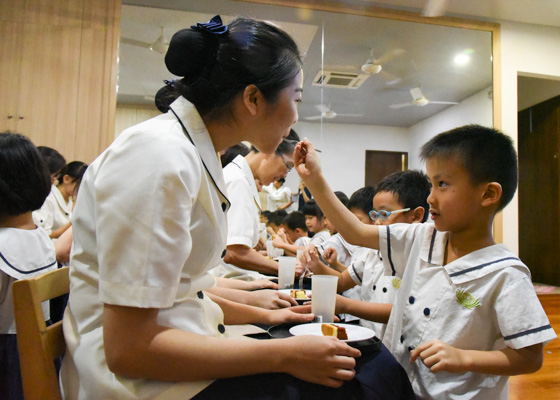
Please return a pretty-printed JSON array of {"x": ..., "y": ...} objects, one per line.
[
  {"x": 419, "y": 100},
  {"x": 160, "y": 45},
  {"x": 375, "y": 65},
  {"x": 329, "y": 113}
]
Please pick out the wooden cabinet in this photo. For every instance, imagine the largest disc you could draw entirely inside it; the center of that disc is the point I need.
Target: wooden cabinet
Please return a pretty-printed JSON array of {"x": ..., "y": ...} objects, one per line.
[{"x": 58, "y": 63}]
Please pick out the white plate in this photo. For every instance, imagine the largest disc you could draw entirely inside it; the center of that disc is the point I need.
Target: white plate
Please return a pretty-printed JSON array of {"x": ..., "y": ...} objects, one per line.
[
  {"x": 287, "y": 291},
  {"x": 354, "y": 332}
]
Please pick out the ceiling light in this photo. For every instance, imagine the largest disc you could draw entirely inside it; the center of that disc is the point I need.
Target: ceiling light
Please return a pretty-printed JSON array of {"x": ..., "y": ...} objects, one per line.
[{"x": 462, "y": 59}]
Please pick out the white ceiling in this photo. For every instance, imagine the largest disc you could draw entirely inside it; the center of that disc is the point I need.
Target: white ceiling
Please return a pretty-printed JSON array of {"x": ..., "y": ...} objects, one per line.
[{"x": 426, "y": 60}]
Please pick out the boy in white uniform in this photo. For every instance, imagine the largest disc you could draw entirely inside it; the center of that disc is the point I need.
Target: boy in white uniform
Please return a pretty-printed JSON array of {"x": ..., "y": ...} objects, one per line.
[{"x": 466, "y": 315}]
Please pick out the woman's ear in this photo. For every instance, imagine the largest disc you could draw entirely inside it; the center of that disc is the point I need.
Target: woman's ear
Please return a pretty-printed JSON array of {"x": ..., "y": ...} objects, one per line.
[
  {"x": 492, "y": 194},
  {"x": 252, "y": 99},
  {"x": 66, "y": 179}
]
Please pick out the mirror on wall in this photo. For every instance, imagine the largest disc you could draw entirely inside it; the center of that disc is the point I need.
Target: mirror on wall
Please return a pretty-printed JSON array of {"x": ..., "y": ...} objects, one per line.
[{"x": 359, "y": 70}]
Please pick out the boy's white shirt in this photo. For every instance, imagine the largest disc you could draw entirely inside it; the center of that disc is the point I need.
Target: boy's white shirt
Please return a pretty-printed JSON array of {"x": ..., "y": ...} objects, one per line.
[{"x": 427, "y": 307}]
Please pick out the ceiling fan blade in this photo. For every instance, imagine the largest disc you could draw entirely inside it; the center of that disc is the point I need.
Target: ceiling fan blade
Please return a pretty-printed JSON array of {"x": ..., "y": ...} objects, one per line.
[
  {"x": 390, "y": 56},
  {"x": 349, "y": 115},
  {"x": 390, "y": 79},
  {"x": 402, "y": 105},
  {"x": 134, "y": 42},
  {"x": 322, "y": 108},
  {"x": 416, "y": 93},
  {"x": 443, "y": 102},
  {"x": 435, "y": 8},
  {"x": 314, "y": 118}
]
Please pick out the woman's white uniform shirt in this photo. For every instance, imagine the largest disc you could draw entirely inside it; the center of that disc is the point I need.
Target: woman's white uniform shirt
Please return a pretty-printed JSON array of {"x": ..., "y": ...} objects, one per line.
[
  {"x": 55, "y": 211},
  {"x": 149, "y": 223}
]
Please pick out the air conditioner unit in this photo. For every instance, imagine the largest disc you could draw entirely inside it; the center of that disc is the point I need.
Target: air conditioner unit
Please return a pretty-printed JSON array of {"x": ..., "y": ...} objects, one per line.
[{"x": 341, "y": 80}]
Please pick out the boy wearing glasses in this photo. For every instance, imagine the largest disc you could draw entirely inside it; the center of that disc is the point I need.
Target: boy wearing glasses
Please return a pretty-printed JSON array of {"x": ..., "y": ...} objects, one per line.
[
  {"x": 466, "y": 315},
  {"x": 400, "y": 198}
]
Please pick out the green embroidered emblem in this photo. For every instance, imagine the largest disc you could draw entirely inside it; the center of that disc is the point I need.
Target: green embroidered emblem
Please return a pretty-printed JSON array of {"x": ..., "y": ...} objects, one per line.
[
  {"x": 466, "y": 299},
  {"x": 396, "y": 282}
]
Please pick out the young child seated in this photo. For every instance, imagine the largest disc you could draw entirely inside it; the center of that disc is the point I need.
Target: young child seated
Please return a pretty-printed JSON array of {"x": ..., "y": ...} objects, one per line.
[
  {"x": 466, "y": 315},
  {"x": 25, "y": 249},
  {"x": 315, "y": 221},
  {"x": 292, "y": 236}
]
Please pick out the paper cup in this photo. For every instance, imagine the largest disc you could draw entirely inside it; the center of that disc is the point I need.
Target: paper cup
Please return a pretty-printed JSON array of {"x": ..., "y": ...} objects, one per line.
[
  {"x": 323, "y": 303},
  {"x": 286, "y": 272}
]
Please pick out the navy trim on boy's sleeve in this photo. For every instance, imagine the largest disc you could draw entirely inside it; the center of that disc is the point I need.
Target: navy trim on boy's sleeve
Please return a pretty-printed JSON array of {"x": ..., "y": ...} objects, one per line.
[
  {"x": 356, "y": 273},
  {"x": 482, "y": 266},
  {"x": 389, "y": 251},
  {"x": 528, "y": 332}
]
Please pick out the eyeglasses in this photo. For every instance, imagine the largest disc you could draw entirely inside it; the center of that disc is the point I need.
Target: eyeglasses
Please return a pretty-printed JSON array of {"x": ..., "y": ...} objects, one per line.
[
  {"x": 288, "y": 166},
  {"x": 384, "y": 215}
]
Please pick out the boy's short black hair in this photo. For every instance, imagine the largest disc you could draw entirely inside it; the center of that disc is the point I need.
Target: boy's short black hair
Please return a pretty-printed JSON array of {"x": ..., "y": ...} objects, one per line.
[
  {"x": 488, "y": 155},
  {"x": 312, "y": 208},
  {"x": 295, "y": 220},
  {"x": 411, "y": 188},
  {"x": 342, "y": 197},
  {"x": 277, "y": 217},
  {"x": 362, "y": 199},
  {"x": 25, "y": 181}
]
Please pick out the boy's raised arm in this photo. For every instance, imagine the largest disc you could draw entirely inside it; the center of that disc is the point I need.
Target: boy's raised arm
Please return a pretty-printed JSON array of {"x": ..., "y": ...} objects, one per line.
[{"x": 352, "y": 230}]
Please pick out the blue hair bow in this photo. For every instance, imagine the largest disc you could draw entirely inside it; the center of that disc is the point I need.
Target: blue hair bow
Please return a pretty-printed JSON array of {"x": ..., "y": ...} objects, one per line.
[{"x": 214, "y": 26}]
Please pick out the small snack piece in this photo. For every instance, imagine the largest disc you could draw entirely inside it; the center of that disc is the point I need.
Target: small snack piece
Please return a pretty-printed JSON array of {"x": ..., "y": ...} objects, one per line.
[
  {"x": 298, "y": 294},
  {"x": 334, "y": 330}
]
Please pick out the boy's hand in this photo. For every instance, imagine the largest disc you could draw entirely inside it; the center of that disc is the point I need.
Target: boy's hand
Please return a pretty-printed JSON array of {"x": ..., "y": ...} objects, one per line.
[
  {"x": 439, "y": 356},
  {"x": 330, "y": 255},
  {"x": 306, "y": 160},
  {"x": 315, "y": 264}
]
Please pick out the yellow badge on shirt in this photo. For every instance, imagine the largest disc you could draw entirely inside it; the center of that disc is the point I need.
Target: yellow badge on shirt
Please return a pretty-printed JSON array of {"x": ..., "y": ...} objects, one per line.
[{"x": 466, "y": 299}]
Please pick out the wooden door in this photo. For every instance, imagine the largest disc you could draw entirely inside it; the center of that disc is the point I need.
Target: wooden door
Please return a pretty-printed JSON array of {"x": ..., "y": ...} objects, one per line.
[
  {"x": 10, "y": 56},
  {"x": 379, "y": 164},
  {"x": 539, "y": 205}
]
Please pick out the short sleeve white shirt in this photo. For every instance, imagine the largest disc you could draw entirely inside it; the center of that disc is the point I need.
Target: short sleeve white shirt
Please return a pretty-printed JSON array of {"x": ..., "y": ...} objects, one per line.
[
  {"x": 482, "y": 301},
  {"x": 149, "y": 223},
  {"x": 23, "y": 254},
  {"x": 54, "y": 213}
]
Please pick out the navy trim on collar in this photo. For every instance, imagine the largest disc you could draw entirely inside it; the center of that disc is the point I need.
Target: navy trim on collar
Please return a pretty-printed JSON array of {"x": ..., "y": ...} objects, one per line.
[
  {"x": 25, "y": 272},
  {"x": 482, "y": 266},
  {"x": 389, "y": 251},
  {"x": 528, "y": 332}
]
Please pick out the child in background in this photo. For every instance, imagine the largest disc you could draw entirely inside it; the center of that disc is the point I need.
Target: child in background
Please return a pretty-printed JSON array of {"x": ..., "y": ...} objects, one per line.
[
  {"x": 292, "y": 236},
  {"x": 25, "y": 250},
  {"x": 315, "y": 221},
  {"x": 55, "y": 213},
  {"x": 403, "y": 190},
  {"x": 466, "y": 315}
]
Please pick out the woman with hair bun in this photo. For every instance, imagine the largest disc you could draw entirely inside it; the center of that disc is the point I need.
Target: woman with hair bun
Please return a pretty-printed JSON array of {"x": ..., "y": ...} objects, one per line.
[{"x": 150, "y": 222}]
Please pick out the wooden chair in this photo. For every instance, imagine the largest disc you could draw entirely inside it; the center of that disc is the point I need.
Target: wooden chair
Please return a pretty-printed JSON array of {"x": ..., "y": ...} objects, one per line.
[{"x": 39, "y": 345}]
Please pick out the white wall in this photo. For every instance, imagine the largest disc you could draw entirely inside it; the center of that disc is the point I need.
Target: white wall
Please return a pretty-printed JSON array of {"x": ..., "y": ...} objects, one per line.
[
  {"x": 477, "y": 109},
  {"x": 343, "y": 150},
  {"x": 531, "y": 50}
]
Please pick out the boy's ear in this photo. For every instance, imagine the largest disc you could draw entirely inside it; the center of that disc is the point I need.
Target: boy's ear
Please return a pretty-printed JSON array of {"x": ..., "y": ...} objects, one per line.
[
  {"x": 418, "y": 215},
  {"x": 252, "y": 99},
  {"x": 492, "y": 194}
]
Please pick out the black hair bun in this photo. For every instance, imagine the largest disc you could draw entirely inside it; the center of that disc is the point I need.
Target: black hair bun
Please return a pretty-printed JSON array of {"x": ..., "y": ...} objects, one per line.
[{"x": 189, "y": 52}]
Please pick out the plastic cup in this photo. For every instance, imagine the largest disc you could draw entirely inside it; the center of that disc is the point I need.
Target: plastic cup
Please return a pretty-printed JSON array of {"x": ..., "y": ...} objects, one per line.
[
  {"x": 270, "y": 251},
  {"x": 323, "y": 304},
  {"x": 286, "y": 272}
]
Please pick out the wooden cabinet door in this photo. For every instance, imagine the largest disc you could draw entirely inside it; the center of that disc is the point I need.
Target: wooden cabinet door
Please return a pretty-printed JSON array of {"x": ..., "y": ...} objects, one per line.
[
  {"x": 10, "y": 57},
  {"x": 48, "y": 89}
]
